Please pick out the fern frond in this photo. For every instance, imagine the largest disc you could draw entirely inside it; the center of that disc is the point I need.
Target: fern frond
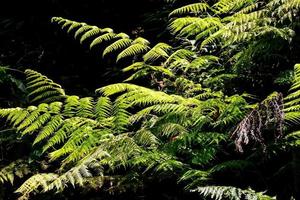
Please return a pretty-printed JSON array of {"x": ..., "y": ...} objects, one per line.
[
  {"x": 49, "y": 128},
  {"x": 13, "y": 115},
  {"x": 195, "y": 9},
  {"x": 251, "y": 8},
  {"x": 102, "y": 38},
  {"x": 89, "y": 34},
  {"x": 30, "y": 118},
  {"x": 75, "y": 26},
  {"x": 145, "y": 137},
  {"x": 144, "y": 70},
  {"x": 203, "y": 61},
  {"x": 69, "y": 126},
  {"x": 226, "y": 6},
  {"x": 296, "y": 82},
  {"x": 61, "y": 21},
  {"x": 138, "y": 95},
  {"x": 82, "y": 30},
  {"x": 138, "y": 46},
  {"x": 200, "y": 26},
  {"x": 292, "y": 100},
  {"x": 42, "y": 88},
  {"x": 173, "y": 129},
  {"x": 231, "y": 165},
  {"x": 228, "y": 192},
  {"x": 169, "y": 166},
  {"x": 76, "y": 138},
  {"x": 71, "y": 105},
  {"x": 292, "y": 118},
  {"x": 195, "y": 177},
  {"x": 74, "y": 176},
  {"x": 35, "y": 183},
  {"x": 103, "y": 108},
  {"x": 83, "y": 145},
  {"x": 134, "y": 67},
  {"x": 158, "y": 51},
  {"x": 85, "y": 108},
  {"x": 56, "y": 19},
  {"x": 118, "y": 88},
  {"x": 18, "y": 168},
  {"x": 37, "y": 124},
  {"x": 66, "y": 24},
  {"x": 178, "y": 24},
  {"x": 117, "y": 45},
  {"x": 160, "y": 110},
  {"x": 121, "y": 115},
  {"x": 180, "y": 54}
]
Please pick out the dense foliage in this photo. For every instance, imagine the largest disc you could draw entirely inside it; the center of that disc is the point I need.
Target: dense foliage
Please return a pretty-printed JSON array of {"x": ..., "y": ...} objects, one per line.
[{"x": 211, "y": 112}]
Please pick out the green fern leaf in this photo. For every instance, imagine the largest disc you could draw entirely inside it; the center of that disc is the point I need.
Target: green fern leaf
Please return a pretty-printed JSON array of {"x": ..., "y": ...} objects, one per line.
[
  {"x": 137, "y": 47},
  {"x": 159, "y": 50},
  {"x": 82, "y": 30},
  {"x": 117, "y": 45},
  {"x": 50, "y": 128},
  {"x": 103, "y": 108},
  {"x": 105, "y": 37},
  {"x": 75, "y": 26},
  {"x": 89, "y": 34},
  {"x": 195, "y": 9}
]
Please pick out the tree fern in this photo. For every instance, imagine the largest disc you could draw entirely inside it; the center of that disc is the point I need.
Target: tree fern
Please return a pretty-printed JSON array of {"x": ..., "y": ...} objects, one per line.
[{"x": 181, "y": 127}]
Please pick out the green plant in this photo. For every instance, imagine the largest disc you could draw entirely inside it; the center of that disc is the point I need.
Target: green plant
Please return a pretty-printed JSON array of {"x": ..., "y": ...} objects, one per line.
[{"x": 184, "y": 124}]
